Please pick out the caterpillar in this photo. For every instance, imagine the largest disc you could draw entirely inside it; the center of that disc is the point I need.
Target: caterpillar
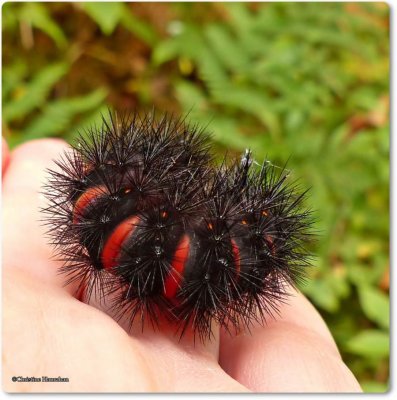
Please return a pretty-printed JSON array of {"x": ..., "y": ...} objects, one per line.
[{"x": 139, "y": 212}]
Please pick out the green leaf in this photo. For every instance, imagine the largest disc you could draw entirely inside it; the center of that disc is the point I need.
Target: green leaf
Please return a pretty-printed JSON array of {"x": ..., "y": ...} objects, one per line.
[
  {"x": 374, "y": 387},
  {"x": 226, "y": 49},
  {"x": 211, "y": 70},
  {"x": 322, "y": 294},
  {"x": 190, "y": 44},
  {"x": 240, "y": 15},
  {"x": 35, "y": 92},
  {"x": 225, "y": 131},
  {"x": 375, "y": 305},
  {"x": 141, "y": 29},
  {"x": 190, "y": 95},
  {"x": 9, "y": 12},
  {"x": 58, "y": 115},
  {"x": 107, "y": 15},
  {"x": 165, "y": 51},
  {"x": 13, "y": 76},
  {"x": 370, "y": 343},
  {"x": 250, "y": 100},
  {"x": 38, "y": 16}
]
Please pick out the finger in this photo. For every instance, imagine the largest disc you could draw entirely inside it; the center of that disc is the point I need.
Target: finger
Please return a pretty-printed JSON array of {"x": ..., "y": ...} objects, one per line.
[
  {"x": 158, "y": 330},
  {"x": 180, "y": 363},
  {"x": 294, "y": 352},
  {"x": 5, "y": 156},
  {"x": 115, "y": 362},
  {"x": 187, "y": 367},
  {"x": 87, "y": 347},
  {"x": 25, "y": 244}
]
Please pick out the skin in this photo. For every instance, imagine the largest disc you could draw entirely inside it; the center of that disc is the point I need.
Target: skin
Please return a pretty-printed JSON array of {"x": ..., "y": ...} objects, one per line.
[{"x": 48, "y": 332}]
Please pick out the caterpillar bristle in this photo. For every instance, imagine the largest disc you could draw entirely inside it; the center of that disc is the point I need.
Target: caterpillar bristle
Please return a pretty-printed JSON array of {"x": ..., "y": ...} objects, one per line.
[{"x": 138, "y": 213}]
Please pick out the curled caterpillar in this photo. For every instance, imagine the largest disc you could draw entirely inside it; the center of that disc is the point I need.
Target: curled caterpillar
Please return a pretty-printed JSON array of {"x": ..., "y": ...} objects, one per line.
[{"x": 139, "y": 213}]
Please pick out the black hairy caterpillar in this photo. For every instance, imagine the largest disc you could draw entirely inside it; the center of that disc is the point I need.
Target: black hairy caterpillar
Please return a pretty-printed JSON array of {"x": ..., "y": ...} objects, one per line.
[{"x": 138, "y": 211}]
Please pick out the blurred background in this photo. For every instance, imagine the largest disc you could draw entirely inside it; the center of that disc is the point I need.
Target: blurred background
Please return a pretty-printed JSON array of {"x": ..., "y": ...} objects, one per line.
[{"x": 308, "y": 82}]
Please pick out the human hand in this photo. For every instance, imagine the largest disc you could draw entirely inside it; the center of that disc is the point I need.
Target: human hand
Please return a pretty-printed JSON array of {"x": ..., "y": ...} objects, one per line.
[{"x": 48, "y": 332}]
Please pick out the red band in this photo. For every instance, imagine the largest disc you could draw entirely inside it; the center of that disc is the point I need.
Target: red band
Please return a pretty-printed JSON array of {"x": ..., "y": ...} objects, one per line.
[
  {"x": 85, "y": 200},
  {"x": 112, "y": 248},
  {"x": 236, "y": 256},
  {"x": 173, "y": 280}
]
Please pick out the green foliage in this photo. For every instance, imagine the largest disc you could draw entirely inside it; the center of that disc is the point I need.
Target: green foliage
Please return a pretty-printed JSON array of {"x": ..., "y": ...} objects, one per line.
[
  {"x": 374, "y": 387},
  {"x": 31, "y": 107},
  {"x": 35, "y": 15},
  {"x": 139, "y": 28},
  {"x": 106, "y": 15},
  {"x": 370, "y": 343},
  {"x": 26, "y": 96},
  {"x": 307, "y": 82},
  {"x": 56, "y": 116},
  {"x": 375, "y": 305}
]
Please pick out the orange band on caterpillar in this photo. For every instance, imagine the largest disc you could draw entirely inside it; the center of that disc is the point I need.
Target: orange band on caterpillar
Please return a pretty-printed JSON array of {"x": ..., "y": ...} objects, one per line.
[
  {"x": 113, "y": 245},
  {"x": 173, "y": 280},
  {"x": 85, "y": 200}
]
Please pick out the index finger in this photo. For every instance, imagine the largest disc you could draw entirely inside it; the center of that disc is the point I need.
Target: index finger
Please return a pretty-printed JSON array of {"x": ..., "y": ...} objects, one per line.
[
  {"x": 294, "y": 352},
  {"x": 25, "y": 244}
]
